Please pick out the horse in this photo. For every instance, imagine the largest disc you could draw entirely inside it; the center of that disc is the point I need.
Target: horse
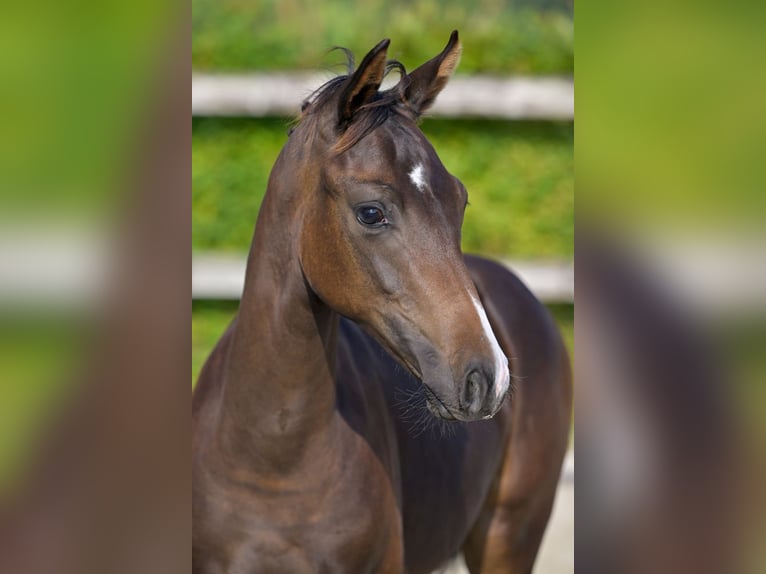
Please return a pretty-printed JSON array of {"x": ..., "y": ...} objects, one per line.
[{"x": 381, "y": 402}]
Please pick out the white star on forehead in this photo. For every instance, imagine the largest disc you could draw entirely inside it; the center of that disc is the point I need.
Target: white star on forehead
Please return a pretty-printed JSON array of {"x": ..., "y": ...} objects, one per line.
[{"x": 418, "y": 177}]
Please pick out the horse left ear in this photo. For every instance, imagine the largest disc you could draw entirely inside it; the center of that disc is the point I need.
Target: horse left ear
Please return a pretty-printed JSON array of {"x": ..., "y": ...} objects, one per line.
[
  {"x": 362, "y": 86},
  {"x": 425, "y": 82}
]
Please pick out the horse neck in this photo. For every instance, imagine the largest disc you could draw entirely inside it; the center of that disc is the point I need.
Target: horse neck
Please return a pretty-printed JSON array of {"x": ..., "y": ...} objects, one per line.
[{"x": 279, "y": 394}]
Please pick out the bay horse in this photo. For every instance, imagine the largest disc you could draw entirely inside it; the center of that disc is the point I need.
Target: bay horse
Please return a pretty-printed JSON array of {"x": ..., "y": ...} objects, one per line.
[{"x": 359, "y": 316}]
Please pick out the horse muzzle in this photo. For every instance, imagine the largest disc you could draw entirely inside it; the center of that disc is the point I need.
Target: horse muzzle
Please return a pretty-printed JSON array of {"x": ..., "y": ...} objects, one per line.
[{"x": 480, "y": 395}]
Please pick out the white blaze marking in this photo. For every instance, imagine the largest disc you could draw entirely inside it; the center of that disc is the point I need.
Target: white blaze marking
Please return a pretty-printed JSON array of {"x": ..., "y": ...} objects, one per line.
[
  {"x": 417, "y": 177},
  {"x": 502, "y": 374}
]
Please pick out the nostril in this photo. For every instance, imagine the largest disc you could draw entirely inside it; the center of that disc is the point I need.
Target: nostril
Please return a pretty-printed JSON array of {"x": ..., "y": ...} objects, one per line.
[{"x": 476, "y": 389}]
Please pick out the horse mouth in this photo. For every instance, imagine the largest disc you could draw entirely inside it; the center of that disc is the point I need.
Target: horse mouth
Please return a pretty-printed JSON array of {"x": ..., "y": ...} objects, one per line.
[
  {"x": 433, "y": 403},
  {"x": 436, "y": 406}
]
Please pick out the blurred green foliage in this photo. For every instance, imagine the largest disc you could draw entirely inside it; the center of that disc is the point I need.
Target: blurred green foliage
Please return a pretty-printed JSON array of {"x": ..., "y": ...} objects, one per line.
[
  {"x": 519, "y": 177},
  {"x": 673, "y": 104},
  {"x": 75, "y": 79},
  {"x": 499, "y": 36}
]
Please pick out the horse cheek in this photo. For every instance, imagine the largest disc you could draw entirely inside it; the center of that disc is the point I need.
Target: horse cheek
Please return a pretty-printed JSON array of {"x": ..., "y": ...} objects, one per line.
[{"x": 326, "y": 262}]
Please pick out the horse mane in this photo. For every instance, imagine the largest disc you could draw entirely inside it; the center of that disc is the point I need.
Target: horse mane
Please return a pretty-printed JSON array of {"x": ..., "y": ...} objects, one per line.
[{"x": 368, "y": 117}]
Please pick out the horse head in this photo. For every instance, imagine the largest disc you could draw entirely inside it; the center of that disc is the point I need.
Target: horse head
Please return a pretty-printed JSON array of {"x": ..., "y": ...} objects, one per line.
[{"x": 378, "y": 230}]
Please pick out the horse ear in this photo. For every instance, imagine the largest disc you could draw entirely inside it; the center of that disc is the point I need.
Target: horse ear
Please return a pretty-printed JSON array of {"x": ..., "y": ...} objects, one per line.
[
  {"x": 428, "y": 80},
  {"x": 364, "y": 84}
]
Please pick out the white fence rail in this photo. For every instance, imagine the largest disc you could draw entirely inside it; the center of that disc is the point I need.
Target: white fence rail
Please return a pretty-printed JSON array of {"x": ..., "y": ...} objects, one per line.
[
  {"x": 281, "y": 94},
  {"x": 59, "y": 266}
]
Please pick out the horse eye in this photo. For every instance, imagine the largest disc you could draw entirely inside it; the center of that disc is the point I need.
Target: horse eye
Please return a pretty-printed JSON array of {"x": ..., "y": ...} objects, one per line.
[{"x": 370, "y": 215}]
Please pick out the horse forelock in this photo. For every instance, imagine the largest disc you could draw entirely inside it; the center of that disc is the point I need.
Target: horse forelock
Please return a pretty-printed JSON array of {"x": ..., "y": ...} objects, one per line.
[{"x": 385, "y": 104}]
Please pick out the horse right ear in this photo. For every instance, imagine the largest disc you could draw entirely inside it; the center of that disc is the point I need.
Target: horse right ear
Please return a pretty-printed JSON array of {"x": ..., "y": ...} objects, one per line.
[
  {"x": 364, "y": 83},
  {"x": 425, "y": 82}
]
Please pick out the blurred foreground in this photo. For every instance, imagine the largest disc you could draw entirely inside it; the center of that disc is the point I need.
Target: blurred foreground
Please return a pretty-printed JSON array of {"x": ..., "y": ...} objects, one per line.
[
  {"x": 94, "y": 392},
  {"x": 670, "y": 289}
]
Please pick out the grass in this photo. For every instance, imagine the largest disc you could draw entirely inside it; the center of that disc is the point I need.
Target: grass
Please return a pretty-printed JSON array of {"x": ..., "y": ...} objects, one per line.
[
  {"x": 499, "y": 36},
  {"x": 519, "y": 175}
]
